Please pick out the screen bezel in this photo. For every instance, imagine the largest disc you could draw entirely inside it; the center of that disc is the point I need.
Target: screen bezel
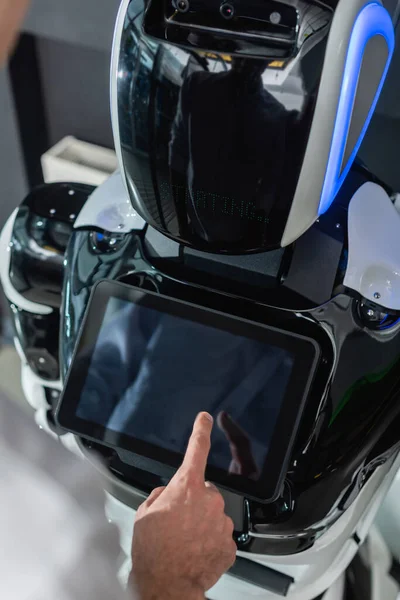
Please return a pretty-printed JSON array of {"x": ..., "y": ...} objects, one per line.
[{"x": 306, "y": 352}]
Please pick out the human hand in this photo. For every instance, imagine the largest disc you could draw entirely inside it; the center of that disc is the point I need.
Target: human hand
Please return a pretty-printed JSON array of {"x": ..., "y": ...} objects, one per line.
[
  {"x": 243, "y": 462},
  {"x": 182, "y": 541}
]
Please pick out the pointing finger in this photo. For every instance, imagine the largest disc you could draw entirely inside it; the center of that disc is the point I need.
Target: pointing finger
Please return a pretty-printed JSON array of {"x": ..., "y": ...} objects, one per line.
[{"x": 195, "y": 460}]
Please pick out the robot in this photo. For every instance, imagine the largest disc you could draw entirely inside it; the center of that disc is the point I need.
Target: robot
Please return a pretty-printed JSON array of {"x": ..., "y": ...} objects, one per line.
[{"x": 237, "y": 127}]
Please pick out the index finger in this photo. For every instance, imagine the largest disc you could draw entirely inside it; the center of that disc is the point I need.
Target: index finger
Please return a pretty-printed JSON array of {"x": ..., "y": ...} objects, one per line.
[{"x": 196, "y": 456}]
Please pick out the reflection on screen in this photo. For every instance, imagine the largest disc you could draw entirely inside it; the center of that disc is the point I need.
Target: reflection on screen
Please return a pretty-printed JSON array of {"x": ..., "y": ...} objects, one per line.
[{"x": 151, "y": 373}]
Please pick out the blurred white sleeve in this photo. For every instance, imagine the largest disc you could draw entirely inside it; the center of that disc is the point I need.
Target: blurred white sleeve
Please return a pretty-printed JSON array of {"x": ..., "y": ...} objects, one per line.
[{"x": 56, "y": 543}]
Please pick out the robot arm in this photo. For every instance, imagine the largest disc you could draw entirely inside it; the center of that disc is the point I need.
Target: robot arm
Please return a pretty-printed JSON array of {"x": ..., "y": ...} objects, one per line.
[{"x": 34, "y": 241}]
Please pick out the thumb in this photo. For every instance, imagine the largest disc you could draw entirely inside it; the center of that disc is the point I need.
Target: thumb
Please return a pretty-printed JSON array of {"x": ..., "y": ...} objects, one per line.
[{"x": 155, "y": 494}]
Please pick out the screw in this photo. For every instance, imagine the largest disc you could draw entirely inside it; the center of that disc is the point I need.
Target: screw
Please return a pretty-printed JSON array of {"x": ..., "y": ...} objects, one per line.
[
  {"x": 275, "y": 18},
  {"x": 42, "y": 360},
  {"x": 377, "y": 295},
  {"x": 120, "y": 226},
  {"x": 72, "y": 217},
  {"x": 183, "y": 6},
  {"x": 370, "y": 313},
  {"x": 71, "y": 193},
  {"x": 338, "y": 225},
  {"x": 52, "y": 211}
]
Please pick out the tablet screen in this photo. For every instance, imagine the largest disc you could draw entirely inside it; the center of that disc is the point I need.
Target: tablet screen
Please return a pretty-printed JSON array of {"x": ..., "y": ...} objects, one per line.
[
  {"x": 152, "y": 372},
  {"x": 147, "y": 364}
]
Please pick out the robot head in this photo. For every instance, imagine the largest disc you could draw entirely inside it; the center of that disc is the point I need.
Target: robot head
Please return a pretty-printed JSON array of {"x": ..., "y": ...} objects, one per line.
[{"x": 237, "y": 123}]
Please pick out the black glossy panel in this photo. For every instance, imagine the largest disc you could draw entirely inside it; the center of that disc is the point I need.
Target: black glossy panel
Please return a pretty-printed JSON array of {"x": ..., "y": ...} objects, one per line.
[
  {"x": 41, "y": 232},
  {"x": 261, "y": 576},
  {"x": 349, "y": 426},
  {"x": 60, "y": 201},
  {"x": 85, "y": 264},
  {"x": 39, "y": 339},
  {"x": 318, "y": 252},
  {"x": 213, "y": 142},
  {"x": 263, "y": 27},
  {"x": 256, "y": 269},
  {"x": 36, "y": 260}
]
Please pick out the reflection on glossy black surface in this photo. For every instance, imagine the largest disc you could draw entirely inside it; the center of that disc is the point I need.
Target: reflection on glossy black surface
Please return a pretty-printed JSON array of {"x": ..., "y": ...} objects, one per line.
[
  {"x": 42, "y": 228},
  {"x": 86, "y": 264},
  {"x": 60, "y": 201},
  {"x": 144, "y": 361},
  {"x": 38, "y": 336},
  {"x": 36, "y": 259},
  {"x": 213, "y": 144},
  {"x": 144, "y": 372}
]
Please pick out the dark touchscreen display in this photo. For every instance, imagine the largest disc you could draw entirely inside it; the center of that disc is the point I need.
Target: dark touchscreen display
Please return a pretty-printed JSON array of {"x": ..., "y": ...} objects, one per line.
[{"x": 151, "y": 373}]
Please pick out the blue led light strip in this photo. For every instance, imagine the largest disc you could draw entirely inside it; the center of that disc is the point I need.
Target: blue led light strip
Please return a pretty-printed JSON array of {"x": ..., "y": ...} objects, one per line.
[{"x": 372, "y": 20}]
